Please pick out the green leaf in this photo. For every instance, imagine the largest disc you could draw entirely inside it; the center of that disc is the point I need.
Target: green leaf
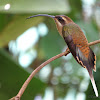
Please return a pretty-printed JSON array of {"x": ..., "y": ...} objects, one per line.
[
  {"x": 16, "y": 27},
  {"x": 12, "y": 76},
  {"x": 35, "y": 6}
]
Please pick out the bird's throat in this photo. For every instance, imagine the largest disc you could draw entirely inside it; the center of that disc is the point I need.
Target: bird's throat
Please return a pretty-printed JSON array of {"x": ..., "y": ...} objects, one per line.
[{"x": 59, "y": 28}]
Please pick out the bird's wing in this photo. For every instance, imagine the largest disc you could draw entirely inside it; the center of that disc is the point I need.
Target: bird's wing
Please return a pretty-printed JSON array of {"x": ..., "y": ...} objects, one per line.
[{"x": 78, "y": 45}]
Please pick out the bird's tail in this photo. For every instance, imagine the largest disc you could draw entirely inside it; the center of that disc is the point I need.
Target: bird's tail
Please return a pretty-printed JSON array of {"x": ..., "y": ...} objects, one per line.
[{"x": 92, "y": 80}]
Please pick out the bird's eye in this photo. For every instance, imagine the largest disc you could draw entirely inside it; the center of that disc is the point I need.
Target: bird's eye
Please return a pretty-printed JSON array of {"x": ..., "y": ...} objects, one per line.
[{"x": 60, "y": 19}]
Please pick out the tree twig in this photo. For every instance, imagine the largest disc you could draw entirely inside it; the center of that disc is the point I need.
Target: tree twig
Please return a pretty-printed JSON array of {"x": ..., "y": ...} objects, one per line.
[
  {"x": 94, "y": 42},
  {"x": 21, "y": 91}
]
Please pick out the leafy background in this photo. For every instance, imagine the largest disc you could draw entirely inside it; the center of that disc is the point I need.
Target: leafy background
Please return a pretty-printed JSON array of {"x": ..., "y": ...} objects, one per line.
[{"x": 62, "y": 79}]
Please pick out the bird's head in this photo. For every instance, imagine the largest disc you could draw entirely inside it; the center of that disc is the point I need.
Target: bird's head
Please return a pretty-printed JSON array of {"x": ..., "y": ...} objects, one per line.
[{"x": 60, "y": 20}]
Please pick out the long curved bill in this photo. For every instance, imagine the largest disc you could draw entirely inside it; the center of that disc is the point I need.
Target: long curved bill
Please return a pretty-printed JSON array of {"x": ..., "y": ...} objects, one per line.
[{"x": 41, "y": 15}]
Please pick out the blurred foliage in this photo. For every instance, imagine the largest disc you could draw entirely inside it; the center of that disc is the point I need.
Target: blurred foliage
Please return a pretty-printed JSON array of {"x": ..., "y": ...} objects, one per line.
[
  {"x": 65, "y": 73},
  {"x": 76, "y": 8},
  {"x": 12, "y": 76},
  {"x": 20, "y": 23},
  {"x": 35, "y": 6}
]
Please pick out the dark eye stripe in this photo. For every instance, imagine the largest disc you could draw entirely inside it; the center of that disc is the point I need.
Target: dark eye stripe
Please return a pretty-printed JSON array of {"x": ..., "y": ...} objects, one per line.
[{"x": 60, "y": 19}]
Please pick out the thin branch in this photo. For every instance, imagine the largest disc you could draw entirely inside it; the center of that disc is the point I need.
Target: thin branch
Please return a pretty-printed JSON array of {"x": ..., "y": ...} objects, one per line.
[
  {"x": 21, "y": 91},
  {"x": 94, "y": 42}
]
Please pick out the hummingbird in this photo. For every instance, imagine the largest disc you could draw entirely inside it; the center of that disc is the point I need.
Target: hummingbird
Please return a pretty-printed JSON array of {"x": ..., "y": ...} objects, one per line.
[{"x": 76, "y": 42}]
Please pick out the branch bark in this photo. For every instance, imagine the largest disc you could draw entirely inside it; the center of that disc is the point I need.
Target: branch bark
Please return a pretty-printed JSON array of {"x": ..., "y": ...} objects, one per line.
[{"x": 21, "y": 91}]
